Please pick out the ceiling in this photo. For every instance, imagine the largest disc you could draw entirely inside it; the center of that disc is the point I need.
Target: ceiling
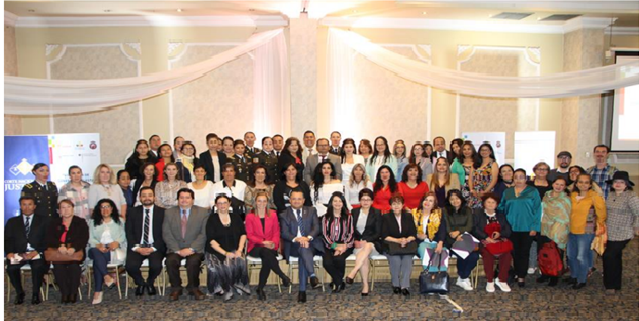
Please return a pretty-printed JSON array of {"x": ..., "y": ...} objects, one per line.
[{"x": 626, "y": 12}]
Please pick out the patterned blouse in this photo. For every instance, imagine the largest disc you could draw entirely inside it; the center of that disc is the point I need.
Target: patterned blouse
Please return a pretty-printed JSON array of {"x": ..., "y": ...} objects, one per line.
[
  {"x": 251, "y": 192},
  {"x": 555, "y": 220},
  {"x": 80, "y": 199},
  {"x": 338, "y": 230},
  {"x": 166, "y": 193},
  {"x": 623, "y": 215}
]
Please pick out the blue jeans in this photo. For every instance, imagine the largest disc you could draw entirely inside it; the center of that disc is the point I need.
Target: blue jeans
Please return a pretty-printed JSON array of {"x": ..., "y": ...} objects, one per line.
[
  {"x": 579, "y": 258},
  {"x": 100, "y": 261}
]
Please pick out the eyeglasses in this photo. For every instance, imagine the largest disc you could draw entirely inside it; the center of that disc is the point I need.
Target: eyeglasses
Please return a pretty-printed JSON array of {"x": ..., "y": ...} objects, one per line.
[
  {"x": 543, "y": 169},
  {"x": 104, "y": 207}
]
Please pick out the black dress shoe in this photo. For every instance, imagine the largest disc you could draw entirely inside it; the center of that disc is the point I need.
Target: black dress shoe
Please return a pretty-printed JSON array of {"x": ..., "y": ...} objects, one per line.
[
  {"x": 36, "y": 299},
  {"x": 405, "y": 292},
  {"x": 260, "y": 294},
  {"x": 349, "y": 280},
  {"x": 578, "y": 286},
  {"x": 286, "y": 281},
  {"x": 65, "y": 299},
  {"x": 543, "y": 279},
  {"x": 553, "y": 281},
  {"x": 570, "y": 281},
  {"x": 151, "y": 290},
  {"x": 315, "y": 282},
  {"x": 19, "y": 298},
  {"x": 339, "y": 288},
  {"x": 301, "y": 297},
  {"x": 364, "y": 293},
  {"x": 396, "y": 290},
  {"x": 73, "y": 298},
  {"x": 521, "y": 284},
  {"x": 139, "y": 291}
]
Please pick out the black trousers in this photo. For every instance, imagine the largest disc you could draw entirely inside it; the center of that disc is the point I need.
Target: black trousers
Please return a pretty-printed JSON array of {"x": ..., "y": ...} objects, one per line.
[
  {"x": 521, "y": 252},
  {"x": 336, "y": 265},
  {"x": 612, "y": 264},
  {"x": 541, "y": 240},
  {"x": 67, "y": 276},
  {"x": 269, "y": 263},
  {"x": 38, "y": 269},
  {"x": 134, "y": 262},
  {"x": 193, "y": 263}
]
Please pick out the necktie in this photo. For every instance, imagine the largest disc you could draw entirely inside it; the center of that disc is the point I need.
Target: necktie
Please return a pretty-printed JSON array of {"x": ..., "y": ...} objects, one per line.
[
  {"x": 147, "y": 223},
  {"x": 278, "y": 154},
  {"x": 323, "y": 157},
  {"x": 27, "y": 227},
  {"x": 184, "y": 221},
  {"x": 299, "y": 221}
]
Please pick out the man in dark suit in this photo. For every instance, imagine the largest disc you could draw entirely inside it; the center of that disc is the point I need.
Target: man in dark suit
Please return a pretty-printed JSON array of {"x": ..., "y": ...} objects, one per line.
[
  {"x": 184, "y": 233},
  {"x": 336, "y": 139},
  {"x": 439, "y": 146},
  {"x": 25, "y": 243},
  {"x": 300, "y": 230},
  {"x": 212, "y": 160},
  {"x": 278, "y": 144},
  {"x": 322, "y": 156},
  {"x": 144, "y": 240}
]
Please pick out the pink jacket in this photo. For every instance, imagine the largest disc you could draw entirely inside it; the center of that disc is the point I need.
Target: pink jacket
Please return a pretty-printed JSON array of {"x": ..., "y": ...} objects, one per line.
[{"x": 256, "y": 235}]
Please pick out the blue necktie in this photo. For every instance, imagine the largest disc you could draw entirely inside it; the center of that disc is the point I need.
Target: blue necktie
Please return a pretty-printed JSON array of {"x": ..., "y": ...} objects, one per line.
[{"x": 299, "y": 221}]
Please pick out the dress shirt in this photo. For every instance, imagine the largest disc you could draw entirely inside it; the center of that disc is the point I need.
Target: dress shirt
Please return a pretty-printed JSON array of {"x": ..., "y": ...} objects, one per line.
[
  {"x": 237, "y": 190},
  {"x": 24, "y": 219},
  {"x": 151, "y": 240}
]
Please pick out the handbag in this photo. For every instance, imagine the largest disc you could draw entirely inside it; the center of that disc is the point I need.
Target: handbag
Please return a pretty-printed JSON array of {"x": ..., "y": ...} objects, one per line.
[
  {"x": 499, "y": 247},
  {"x": 52, "y": 255},
  {"x": 434, "y": 282},
  {"x": 397, "y": 249}
]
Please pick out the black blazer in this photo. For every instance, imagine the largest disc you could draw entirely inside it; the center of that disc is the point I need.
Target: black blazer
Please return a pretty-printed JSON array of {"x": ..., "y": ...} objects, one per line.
[
  {"x": 134, "y": 227},
  {"x": 285, "y": 159},
  {"x": 134, "y": 164},
  {"x": 391, "y": 228},
  {"x": 480, "y": 222},
  {"x": 206, "y": 160},
  {"x": 77, "y": 237},
  {"x": 16, "y": 242},
  {"x": 373, "y": 229}
]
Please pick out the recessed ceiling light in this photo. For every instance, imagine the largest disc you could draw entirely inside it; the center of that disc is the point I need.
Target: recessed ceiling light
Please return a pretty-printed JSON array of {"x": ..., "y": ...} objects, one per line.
[
  {"x": 354, "y": 11},
  {"x": 179, "y": 10},
  {"x": 424, "y": 13},
  {"x": 251, "y": 9},
  {"x": 490, "y": 15},
  {"x": 538, "y": 18}
]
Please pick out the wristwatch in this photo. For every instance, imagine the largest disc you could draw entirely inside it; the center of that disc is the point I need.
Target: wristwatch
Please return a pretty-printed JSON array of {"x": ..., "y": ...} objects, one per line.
[{"x": 310, "y": 238}]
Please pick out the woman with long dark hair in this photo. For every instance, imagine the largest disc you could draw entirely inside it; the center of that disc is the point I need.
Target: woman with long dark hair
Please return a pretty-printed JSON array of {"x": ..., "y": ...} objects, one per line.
[
  {"x": 259, "y": 183},
  {"x": 381, "y": 156},
  {"x": 337, "y": 234},
  {"x": 140, "y": 156},
  {"x": 384, "y": 187},
  {"x": 147, "y": 179},
  {"x": 291, "y": 154},
  {"x": 324, "y": 184},
  {"x": 350, "y": 158},
  {"x": 459, "y": 220},
  {"x": 283, "y": 188},
  {"x": 483, "y": 175}
]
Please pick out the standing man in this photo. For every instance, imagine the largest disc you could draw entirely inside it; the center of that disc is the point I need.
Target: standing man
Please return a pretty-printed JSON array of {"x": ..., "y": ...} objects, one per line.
[
  {"x": 300, "y": 230},
  {"x": 309, "y": 145},
  {"x": 154, "y": 143},
  {"x": 144, "y": 241},
  {"x": 278, "y": 144},
  {"x": 24, "y": 243},
  {"x": 319, "y": 158},
  {"x": 184, "y": 232},
  {"x": 563, "y": 160},
  {"x": 212, "y": 159},
  {"x": 602, "y": 171},
  {"x": 336, "y": 139},
  {"x": 439, "y": 144},
  {"x": 251, "y": 150}
]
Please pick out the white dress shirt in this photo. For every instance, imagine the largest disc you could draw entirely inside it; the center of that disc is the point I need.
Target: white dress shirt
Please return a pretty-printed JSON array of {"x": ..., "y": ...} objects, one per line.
[{"x": 237, "y": 190}]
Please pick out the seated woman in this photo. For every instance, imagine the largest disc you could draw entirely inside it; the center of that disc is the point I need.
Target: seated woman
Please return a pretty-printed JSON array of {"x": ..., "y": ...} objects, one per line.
[
  {"x": 106, "y": 234},
  {"x": 260, "y": 182},
  {"x": 398, "y": 227},
  {"x": 431, "y": 232},
  {"x": 384, "y": 187},
  {"x": 263, "y": 233},
  {"x": 337, "y": 234},
  {"x": 225, "y": 238},
  {"x": 202, "y": 187},
  {"x": 490, "y": 228},
  {"x": 459, "y": 220},
  {"x": 368, "y": 229},
  {"x": 68, "y": 234},
  {"x": 166, "y": 190},
  {"x": 323, "y": 186}
]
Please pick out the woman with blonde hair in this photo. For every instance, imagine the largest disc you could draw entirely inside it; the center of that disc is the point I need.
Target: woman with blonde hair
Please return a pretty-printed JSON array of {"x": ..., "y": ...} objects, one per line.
[
  {"x": 442, "y": 180},
  {"x": 357, "y": 181},
  {"x": 105, "y": 186}
]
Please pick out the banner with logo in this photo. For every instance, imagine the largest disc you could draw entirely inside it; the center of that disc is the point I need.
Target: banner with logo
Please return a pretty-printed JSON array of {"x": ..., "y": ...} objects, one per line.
[
  {"x": 58, "y": 151},
  {"x": 497, "y": 141}
]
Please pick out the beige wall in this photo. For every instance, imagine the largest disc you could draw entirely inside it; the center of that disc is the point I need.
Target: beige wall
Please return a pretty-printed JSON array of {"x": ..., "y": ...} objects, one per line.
[{"x": 12, "y": 124}]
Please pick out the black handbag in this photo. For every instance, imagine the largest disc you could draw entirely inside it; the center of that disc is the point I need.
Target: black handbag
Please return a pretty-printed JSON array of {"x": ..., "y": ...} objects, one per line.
[
  {"x": 434, "y": 282},
  {"x": 397, "y": 249}
]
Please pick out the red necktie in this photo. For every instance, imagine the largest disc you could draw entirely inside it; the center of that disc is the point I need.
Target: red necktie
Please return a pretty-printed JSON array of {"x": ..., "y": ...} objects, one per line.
[{"x": 184, "y": 221}]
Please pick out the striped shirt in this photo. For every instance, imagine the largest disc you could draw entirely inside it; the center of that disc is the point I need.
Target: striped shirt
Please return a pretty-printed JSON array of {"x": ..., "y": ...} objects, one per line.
[
  {"x": 338, "y": 230},
  {"x": 623, "y": 215}
]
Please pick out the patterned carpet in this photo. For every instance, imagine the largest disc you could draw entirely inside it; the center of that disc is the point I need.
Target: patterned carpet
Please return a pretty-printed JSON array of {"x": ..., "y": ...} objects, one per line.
[{"x": 535, "y": 302}]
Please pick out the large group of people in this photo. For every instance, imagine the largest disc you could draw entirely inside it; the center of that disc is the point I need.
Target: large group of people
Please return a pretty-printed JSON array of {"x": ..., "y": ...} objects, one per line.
[{"x": 318, "y": 197}]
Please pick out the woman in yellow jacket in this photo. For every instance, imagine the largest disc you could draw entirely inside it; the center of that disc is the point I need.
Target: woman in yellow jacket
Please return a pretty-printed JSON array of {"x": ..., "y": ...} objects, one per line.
[{"x": 587, "y": 219}]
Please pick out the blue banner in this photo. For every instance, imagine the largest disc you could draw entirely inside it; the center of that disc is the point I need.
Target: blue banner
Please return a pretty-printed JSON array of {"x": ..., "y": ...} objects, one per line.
[{"x": 20, "y": 154}]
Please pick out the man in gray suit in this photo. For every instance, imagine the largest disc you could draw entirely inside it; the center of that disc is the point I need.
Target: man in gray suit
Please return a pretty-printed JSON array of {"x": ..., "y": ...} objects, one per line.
[
  {"x": 301, "y": 232},
  {"x": 184, "y": 232},
  {"x": 322, "y": 155}
]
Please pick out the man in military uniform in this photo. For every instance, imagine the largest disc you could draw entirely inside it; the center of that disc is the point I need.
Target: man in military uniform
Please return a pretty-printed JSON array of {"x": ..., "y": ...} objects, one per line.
[
  {"x": 241, "y": 161},
  {"x": 268, "y": 159},
  {"x": 251, "y": 150},
  {"x": 44, "y": 192}
]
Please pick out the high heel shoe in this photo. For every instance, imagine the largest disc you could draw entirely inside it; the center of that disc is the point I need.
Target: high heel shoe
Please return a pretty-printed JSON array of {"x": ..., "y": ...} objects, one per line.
[
  {"x": 111, "y": 284},
  {"x": 364, "y": 293},
  {"x": 349, "y": 280},
  {"x": 286, "y": 281},
  {"x": 97, "y": 298},
  {"x": 260, "y": 294}
]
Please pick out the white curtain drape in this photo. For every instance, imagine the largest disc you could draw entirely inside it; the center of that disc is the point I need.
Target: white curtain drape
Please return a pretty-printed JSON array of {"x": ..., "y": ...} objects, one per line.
[
  {"x": 271, "y": 89},
  {"x": 340, "y": 87},
  {"x": 565, "y": 84},
  {"x": 27, "y": 96}
]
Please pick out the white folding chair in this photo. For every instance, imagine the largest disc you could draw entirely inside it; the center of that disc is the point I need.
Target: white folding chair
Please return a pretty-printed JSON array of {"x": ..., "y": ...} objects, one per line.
[
  {"x": 255, "y": 263},
  {"x": 115, "y": 265},
  {"x": 293, "y": 263},
  {"x": 159, "y": 282},
  {"x": 23, "y": 270}
]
